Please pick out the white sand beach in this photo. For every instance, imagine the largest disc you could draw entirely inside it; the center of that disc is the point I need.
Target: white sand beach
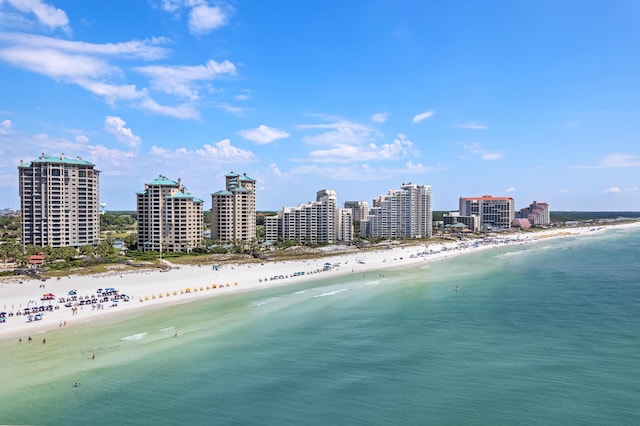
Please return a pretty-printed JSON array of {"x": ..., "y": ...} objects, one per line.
[{"x": 155, "y": 289}]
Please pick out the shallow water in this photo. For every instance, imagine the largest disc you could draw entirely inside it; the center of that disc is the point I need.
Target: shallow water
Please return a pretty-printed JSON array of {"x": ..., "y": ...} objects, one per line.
[{"x": 547, "y": 333}]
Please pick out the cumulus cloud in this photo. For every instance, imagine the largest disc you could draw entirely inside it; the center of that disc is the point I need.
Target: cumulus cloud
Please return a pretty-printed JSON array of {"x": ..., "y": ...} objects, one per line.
[
  {"x": 179, "y": 80},
  {"x": 81, "y": 138},
  {"x": 87, "y": 65},
  {"x": 203, "y": 16},
  {"x": 275, "y": 169},
  {"x": 5, "y": 127},
  {"x": 379, "y": 117},
  {"x": 116, "y": 127},
  {"x": 263, "y": 134},
  {"x": 203, "y": 19},
  {"x": 347, "y": 153},
  {"x": 510, "y": 189},
  {"x": 612, "y": 190},
  {"x": 220, "y": 152},
  {"x": 46, "y": 14},
  {"x": 422, "y": 116},
  {"x": 113, "y": 162}
]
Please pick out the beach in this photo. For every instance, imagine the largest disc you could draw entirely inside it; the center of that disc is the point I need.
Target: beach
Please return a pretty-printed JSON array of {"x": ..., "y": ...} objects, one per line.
[{"x": 79, "y": 299}]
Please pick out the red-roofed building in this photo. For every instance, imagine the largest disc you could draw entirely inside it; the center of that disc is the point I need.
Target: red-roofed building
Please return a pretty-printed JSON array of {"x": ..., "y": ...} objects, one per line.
[{"x": 36, "y": 260}]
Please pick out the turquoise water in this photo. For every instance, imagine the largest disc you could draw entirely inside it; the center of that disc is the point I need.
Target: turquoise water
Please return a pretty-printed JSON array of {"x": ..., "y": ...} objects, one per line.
[{"x": 547, "y": 333}]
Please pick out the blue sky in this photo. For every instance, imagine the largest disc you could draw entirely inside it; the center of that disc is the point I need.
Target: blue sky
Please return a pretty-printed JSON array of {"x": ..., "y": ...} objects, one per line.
[{"x": 536, "y": 100}]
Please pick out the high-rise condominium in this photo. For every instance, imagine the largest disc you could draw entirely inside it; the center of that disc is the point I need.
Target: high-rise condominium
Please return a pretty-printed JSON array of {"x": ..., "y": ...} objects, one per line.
[
  {"x": 401, "y": 213},
  {"x": 169, "y": 217},
  {"x": 233, "y": 210},
  {"x": 59, "y": 203}
]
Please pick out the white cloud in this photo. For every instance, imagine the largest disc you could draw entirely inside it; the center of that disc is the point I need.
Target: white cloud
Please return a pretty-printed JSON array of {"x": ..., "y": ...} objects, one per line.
[
  {"x": 179, "y": 80},
  {"x": 564, "y": 190},
  {"x": 422, "y": 116},
  {"x": 112, "y": 162},
  {"x": 476, "y": 149},
  {"x": 510, "y": 189},
  {"x": 203, "y": 16},
  {"x": 380, "y": 117},
  {"x": 148, "y": 49},
  {"x": 275, "y": 169},
  {"x": 44, "y": 13},
  {"x": 81, "y": 138},
  {"x": 347, "y": 153},
  {"x": 361, "y": 173},
  {"x": 116, "y": 127},
  {"x": 472, "y": 126},
  {"x": 233, "y": 109},
  {"x": 183, "y": 112},
  {"x": 244, "y": 96},
  {"x": 203, "y": 19},
  {"x": 5, "y": 127},
  {"x": 80, "y": 63},
  {"x": 111, "y": 93},
  {"x": 263, "y": 134},
  {"x": 57, "y": 64},
  {"x": 220, "y": 152},
  {"x": 612, "y": 190},
  {"x": 615, "y": 161},
  {"x": 342, "y": 131}
]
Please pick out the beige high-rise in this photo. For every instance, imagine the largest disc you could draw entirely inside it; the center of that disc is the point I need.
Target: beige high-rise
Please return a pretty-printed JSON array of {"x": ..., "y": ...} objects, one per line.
[
  {"x": 169, "y": 217},
  {"x": 59, "y": 203},
  {"x": 233, "y": 210}
]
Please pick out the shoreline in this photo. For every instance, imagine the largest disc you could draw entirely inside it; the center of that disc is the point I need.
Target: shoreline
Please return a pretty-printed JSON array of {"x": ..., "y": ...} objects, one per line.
[{"x": 184, "y": 284}]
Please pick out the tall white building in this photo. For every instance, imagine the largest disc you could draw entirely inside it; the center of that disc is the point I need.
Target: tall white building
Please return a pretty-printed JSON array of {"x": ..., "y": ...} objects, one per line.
[
  {"x": 401, "y": 213},
  {"x": 494, "y": 212},
  {"x": 59, "y": 203},
  {"x": 233, "y": 210},
  {"x": 169, "y": 217},
  {"x": 317, "y": 222}
]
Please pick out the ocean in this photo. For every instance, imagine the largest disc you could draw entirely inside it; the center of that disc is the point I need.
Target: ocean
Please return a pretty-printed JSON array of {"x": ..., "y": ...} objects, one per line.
[{"x": 540, "y": 334}]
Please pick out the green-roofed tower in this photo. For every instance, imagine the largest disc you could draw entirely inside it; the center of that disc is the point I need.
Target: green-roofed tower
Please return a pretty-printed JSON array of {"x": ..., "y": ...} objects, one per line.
[
  {"x": 169, "y": 217},
  {"x": 233, "y": 210},
  {"x": 59, "y": 201}
]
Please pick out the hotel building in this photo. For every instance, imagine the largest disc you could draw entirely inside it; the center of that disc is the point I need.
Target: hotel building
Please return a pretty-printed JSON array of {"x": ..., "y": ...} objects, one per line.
[
  {"x": 495, "y": 212},
  {"x": 401, "y": 213},
  {"x": 59, "y": 203},
  {"x": 537, "y": 214},
  {"x": 317, "y": 222},
  {"x": 233, "y": 210},
  {"x": 169, "y": 217}
]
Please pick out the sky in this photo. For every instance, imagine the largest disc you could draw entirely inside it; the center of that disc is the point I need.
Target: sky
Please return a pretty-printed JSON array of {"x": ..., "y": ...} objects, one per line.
[{"x": 534, "y": 100}]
